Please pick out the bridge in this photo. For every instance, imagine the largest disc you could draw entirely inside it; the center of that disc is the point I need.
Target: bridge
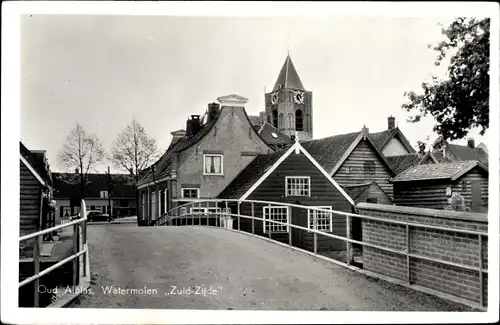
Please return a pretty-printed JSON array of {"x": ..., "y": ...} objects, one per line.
[{"x": 193, "y": 258}]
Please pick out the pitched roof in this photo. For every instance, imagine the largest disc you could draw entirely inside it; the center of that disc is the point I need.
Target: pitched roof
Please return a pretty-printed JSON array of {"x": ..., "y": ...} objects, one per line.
[
  {"x": 67, "y": 185},
  {"x": 271, "y": 135},
  {"x": 328, "y": 151},
  {"x": 383, "y": 138},
  {"x": 468, "y": 153},
  {"x": 288, "y": 77},
  {"x": 258, "y": 170},
  {"x": 38, "y": 162},
  {"x": 355, "y": 191},
  {"x": 163, "y": 166},
  {"x": 401, "y": 163},
  {"x": 449, "y": 170},
  {"x": 248, "y": 176}
]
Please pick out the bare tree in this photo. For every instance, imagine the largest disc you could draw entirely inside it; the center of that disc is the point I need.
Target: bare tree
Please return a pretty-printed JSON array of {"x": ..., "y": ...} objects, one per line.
[
  {"x": 133, "y": 150},
  {"x": 82, "y": 151}
]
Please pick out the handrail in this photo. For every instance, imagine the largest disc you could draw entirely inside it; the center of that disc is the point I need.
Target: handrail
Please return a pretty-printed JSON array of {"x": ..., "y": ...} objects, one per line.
[
  {"x": 176, "y": 214},
  {"x": 403, "y": 223},
  {"x": 79, "y": 248}
]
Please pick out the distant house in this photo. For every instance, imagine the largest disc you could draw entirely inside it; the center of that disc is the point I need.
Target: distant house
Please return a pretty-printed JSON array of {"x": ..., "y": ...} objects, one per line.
[
  {"x": 35, "y": 192},
  {"x": 369, "y": 192},
  {"x": 432, "y": 185},
  {"x": 119, "y": 188},
  {"x": 453, "y": 152},
  {"x": 291, "y": 176}
]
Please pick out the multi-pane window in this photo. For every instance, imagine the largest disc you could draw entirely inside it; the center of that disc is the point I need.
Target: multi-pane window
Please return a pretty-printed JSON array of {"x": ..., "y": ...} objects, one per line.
[
  {"x": 320, "y": 220},
  {"x": 299, "y": 122},
  {"x": 279, "y": 214},
  {"x": 298, "y": 186},
  {"x": 193, "y": 193},
  {"x": 212, "y": 164}
]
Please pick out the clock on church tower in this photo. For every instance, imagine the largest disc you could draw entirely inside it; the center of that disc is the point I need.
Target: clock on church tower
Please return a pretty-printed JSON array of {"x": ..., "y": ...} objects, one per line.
[{"x": 289, "y": 105}]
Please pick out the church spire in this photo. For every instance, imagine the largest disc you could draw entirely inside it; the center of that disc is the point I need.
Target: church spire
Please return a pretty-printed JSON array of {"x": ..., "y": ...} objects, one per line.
[{"x": 288, "y": 77}]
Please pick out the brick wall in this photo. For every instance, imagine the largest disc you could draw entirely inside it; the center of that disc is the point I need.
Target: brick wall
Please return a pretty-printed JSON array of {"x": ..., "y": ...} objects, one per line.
[{"x": 443, "y": 245}]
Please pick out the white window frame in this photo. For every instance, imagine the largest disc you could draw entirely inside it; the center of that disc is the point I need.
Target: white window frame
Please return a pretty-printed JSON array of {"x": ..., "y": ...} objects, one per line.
[
  {"x": 191, "y": 188},
  {"x": 205, "y": 156},
  {"x": 205, "y": 210},
  {"x": 153, "y": 202},
  {"x": 287, "y": 178},
  {"x": 264, "y": 217},
  {"x": 311, "y": 213}
]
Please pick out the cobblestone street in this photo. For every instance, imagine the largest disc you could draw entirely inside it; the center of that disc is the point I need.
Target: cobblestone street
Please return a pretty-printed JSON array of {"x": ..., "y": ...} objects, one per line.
[{"x": 208, "y": 268}]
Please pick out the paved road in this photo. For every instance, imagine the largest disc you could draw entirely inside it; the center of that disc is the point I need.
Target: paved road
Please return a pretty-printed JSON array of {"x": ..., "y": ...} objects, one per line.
[{"x": 247, "y": 272}]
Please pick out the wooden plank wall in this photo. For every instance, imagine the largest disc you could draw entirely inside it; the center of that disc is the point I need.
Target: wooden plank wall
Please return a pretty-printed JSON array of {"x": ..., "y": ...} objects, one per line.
[
  {"x": 352, "y": 172},
  {"x": 30, "y": 196}
]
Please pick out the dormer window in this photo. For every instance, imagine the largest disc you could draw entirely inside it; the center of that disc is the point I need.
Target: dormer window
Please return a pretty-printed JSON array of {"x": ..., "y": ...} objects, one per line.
[{"x": 213, "y": 164}]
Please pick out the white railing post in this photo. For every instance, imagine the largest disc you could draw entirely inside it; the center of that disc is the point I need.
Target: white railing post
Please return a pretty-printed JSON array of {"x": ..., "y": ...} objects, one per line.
[
  {"x": 253, "y": 220},
  {"x": 84, "y": 237},
  {"x": 76, "y": 266},
  {"x": 269, "y": 228},
  {"x": 408, "y": 264},
  {"x": 36, "y": 266},
  {"x": 348, "y": 243},
  {"x": 315, "y": 228},
  {"x": 238, "y": 204}
]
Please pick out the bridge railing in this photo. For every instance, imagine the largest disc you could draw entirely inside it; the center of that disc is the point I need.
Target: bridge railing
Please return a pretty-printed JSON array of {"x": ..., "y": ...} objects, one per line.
[
  {"x": 80, "y": 251},
  {"x": 192, "y": 212}
]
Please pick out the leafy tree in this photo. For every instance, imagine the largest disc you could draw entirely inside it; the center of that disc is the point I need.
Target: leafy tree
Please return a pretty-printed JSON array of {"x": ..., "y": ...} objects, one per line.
[
  {"x": 80, "y": 151},
  {"x": 133, "y": 150},
  {"x": 461, "y": 101}
]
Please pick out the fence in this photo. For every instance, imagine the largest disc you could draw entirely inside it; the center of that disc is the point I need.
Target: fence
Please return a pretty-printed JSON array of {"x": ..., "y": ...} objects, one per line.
[
  {"x": 80, "y": 251},
  {"x": 194, "y": 212}
]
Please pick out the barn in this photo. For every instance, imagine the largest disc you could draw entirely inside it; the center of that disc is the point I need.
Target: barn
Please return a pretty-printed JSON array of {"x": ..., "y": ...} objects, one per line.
[
  {"x": 291, "y": 176},
  {"x": 432, "y": 185}
]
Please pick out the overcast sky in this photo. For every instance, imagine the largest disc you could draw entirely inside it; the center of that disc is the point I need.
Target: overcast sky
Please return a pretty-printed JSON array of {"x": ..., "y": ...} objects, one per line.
[{"x": 101, "y": 71}]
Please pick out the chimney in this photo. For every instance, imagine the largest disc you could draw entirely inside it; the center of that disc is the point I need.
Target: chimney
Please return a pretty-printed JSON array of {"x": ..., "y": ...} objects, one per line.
[
  {"x": 365, "y": 131},
  {"x": 470, "y": 143},
  {"x": 213, "y": 110},
  {"x": 262, "y": 117},
  {"x": 391, "y": 122},
  {"x": 193, "y": 125}
]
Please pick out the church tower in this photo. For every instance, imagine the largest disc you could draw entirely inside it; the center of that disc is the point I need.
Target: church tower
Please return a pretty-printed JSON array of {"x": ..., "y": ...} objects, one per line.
[{"x": 289, "y": 105}]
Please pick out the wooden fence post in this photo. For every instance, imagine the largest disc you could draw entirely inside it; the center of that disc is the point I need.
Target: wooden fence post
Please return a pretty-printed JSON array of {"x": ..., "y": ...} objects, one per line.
[
  {"x": 238, "y": 215},
  {"x": 315, "y": 228}
]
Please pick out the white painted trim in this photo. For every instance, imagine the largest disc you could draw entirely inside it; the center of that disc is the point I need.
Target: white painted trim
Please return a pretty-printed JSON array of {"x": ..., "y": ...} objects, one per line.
[
  {"x": 329, "y": 207},
  {"x": 166, "y": 178},
  {"x": 165, "y": 191},
  {"x": 328, "y": 176},
  {"x": 280, "y": 207},
  {"x": 301, "y": 177},
  {"x": 190, "y": 188},
  {"x": 32, "y": 170},
  {"x": 269, "y": 171},
  {"x": 221, "y": 164},
  {"x": 186, "y": 200},
  {"x": 347, "y": 153}
]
